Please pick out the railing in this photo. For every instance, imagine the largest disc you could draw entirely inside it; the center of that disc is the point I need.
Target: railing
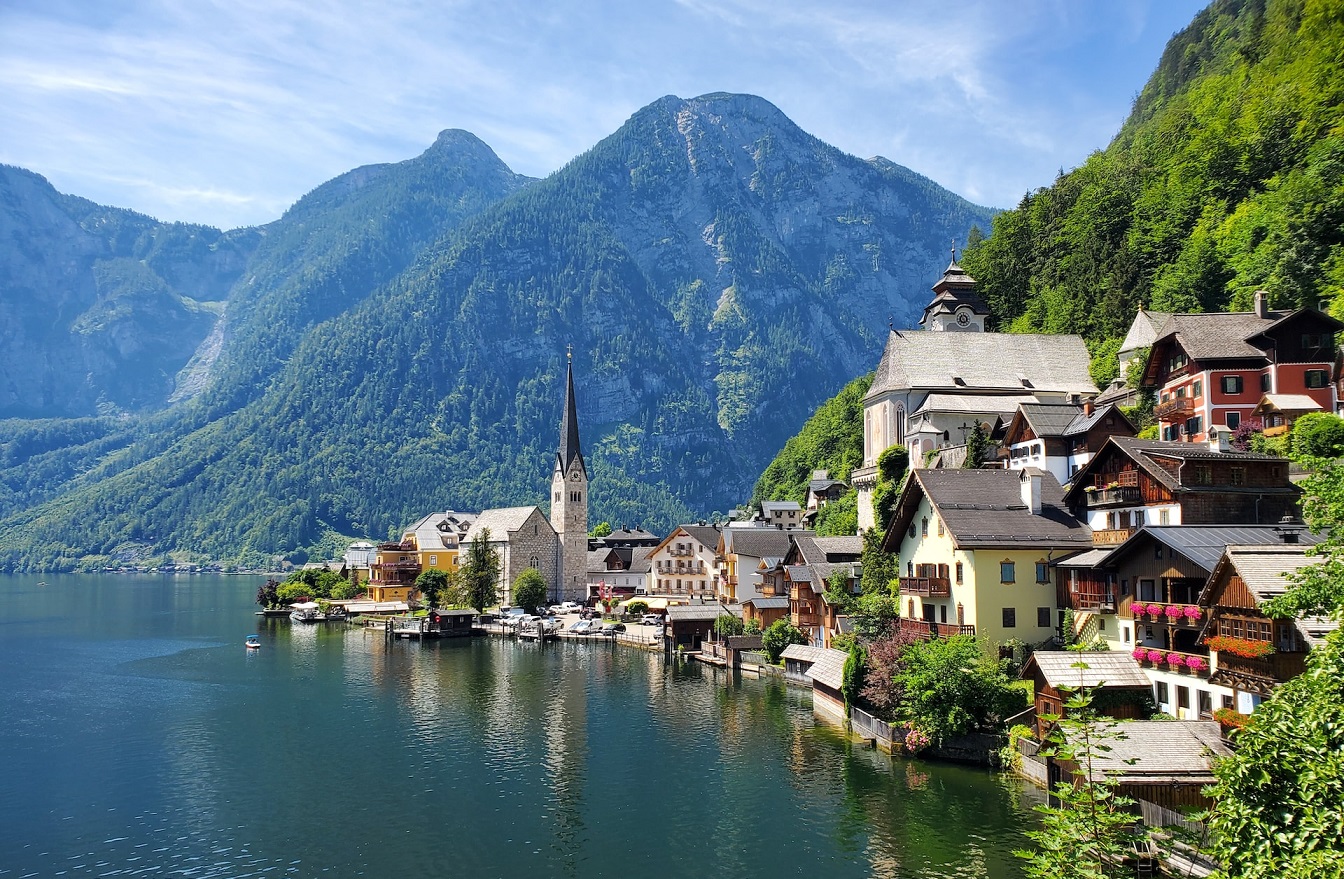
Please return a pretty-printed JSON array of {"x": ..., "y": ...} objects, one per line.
[
  {"x": 1093, "y": 602},
  {"x": 1276, "y": 430},
  {"x": 1111, "y": 536},
  {"x": 678, "y": 551},
  {"x": 1120, "y": 495},
  {"x": 926, "y": 587},
  {"x": 1181, "y": 406},
  {"x": 1172, "y": 660},
  {"x": 805, "y": 619},
  {"x": 1277, "y": 667},
  {"x": 396, "y": 566},
  {"x": 1182, "y": 616},
  {"x": 928, "y": 629}
]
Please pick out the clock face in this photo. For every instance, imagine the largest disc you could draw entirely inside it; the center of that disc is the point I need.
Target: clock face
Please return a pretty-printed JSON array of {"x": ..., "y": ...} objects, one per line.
[{"x": 963, "y": 319}]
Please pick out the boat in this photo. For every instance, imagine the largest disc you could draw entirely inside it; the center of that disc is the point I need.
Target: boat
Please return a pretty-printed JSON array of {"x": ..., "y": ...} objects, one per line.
[
  {"x": 336, "y": 614},
  {"x": 253, "y": 642},
  {"x": 305, "y": 612}
]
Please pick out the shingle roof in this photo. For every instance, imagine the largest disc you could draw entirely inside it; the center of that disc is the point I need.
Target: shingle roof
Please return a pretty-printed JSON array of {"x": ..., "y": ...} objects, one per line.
[
  {"x": 772, "y": 506},
  {"x": 1204, "y": 544},
  {"x": 1144, "y": 329},
  {"x": 998, "y": 404},
  {"x": 1083, "y": 423},
  {"x": 707, "y": 535},
  {"x": 763, "y": 603},
  {"x": 641, "y": 562},
  {"x": 803, "y": 652},
  {"x": 1218, "y": 335},
  {"x": 758, "y": 543},
  {"x": 930, "y": 360},
  {"x": 1265, "y": 571},
  {"x": 501, "y": 522},
  {"x": 1155, "y": 751},
  {"x": 697, "y": 612},
  {"x": 1049, "y": 419},
  {"x": 984, "y": 508},
  {"x": 1145, "y": 453},
  {"x": 828, "y": 551},
  {"x": 1286, "y": 403},
  {"x": 1058, "y": 667},
  {"x": 829, "y": 669}
]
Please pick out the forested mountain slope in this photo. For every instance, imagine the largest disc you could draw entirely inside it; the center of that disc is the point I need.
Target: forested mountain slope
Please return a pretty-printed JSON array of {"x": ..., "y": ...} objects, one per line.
[
  {"x": 717, "y": 271},
  {"x": 1227, "y": 177}
]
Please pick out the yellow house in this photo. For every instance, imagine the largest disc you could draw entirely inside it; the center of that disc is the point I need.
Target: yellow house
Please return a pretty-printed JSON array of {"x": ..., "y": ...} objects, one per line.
[
  {"x": 433, "y": 542},
  {"x": 975, "y": 549}
]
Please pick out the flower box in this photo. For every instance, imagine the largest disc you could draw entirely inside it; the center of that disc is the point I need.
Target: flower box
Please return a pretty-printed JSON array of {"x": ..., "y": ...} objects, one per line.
[
  {"x": 1138, "y": 608},
  {"x": 1242, "y": 647},
  {"x": 1196, "y": 663}
]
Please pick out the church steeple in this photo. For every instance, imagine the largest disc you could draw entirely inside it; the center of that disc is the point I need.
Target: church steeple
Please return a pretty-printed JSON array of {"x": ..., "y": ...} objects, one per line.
[
  {"x": 569, "y": 427},
  {"x": 955, "y": 305}
]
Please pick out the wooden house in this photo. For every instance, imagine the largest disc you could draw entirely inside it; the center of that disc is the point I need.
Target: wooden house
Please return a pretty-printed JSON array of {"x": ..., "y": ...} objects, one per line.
[
  {"x": 1252, "y": 652},
  {"x": 1055, "y": 674},
  {"x": 1060, "y": 437}
]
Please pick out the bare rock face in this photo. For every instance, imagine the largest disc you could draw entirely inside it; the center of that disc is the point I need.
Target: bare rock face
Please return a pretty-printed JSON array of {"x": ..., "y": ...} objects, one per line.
[{"x": 101, "y": 307}]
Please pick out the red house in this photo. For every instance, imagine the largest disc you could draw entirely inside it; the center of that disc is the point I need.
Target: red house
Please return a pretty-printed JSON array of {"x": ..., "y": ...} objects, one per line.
[{"x": 1212, "y": 370}]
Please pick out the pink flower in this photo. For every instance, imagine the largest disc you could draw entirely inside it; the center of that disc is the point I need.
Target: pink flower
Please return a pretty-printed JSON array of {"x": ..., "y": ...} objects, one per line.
[
  {"x": 1172, "y": 611},
  {"x": 1138, "y": 608},
  {"x": 1140, "y": 653},
  {"x": 1193, "y": 613},
  {"x": 1175, "y": 660},
  {"x": 1196, "y": 663},
  {"x": 1154, "y": 656}
]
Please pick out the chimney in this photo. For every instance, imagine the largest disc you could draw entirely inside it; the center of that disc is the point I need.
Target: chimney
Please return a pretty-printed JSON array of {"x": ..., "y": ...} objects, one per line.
[
  {"x": 1288, "y": 528},
  {"x": 1031, "y": 489},
  {"x": 1087, "y": 408},
  {"x": 1220, "y": 439},
  {"x": 1261, "y": 303}
]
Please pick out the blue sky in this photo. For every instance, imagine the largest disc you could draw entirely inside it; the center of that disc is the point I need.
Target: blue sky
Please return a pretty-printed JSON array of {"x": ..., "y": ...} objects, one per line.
[{"x": 226, "y": 111}]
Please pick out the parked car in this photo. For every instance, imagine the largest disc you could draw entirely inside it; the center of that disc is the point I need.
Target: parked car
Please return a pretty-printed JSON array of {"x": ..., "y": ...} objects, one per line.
[
  {"x": 581, "y": 627},
  {"x": 570, "y": 607},
  {"x": 651, "y": 619},
  {"x": 613, "y": 628}
]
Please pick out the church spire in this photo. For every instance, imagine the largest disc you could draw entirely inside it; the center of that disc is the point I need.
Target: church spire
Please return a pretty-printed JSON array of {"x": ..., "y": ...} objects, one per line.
[{"x": 569, "y": 425}]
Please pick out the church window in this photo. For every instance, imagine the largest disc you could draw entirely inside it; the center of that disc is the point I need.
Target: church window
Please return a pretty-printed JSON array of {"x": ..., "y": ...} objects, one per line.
[
  {"x": 900, "y": 424},
  {"x": 557, "y": 497},
  {"x": 534, "y": 562},
  {"x": 924, "y": 527}
]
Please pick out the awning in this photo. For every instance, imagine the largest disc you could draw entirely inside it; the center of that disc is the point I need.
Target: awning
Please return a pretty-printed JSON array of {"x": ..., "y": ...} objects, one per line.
[{"x": 653, "y": 601}]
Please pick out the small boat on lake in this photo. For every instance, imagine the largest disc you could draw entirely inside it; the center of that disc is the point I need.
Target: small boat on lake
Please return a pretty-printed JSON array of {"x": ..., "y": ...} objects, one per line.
[
  {"x": 305, "y": 612},
  {"x": 253, "y": 642}
]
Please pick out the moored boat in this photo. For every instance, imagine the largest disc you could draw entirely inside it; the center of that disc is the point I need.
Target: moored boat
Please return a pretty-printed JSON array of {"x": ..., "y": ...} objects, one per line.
[{"x": 305, "y": 612}]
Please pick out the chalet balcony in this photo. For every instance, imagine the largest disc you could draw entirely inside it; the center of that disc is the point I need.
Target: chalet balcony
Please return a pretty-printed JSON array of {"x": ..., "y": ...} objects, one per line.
[
  {"x": 927, "y": 629},
  {"x": 392, "y": 567},
  {"x": 805, "y": 620},
  {"x": 1267, "y": 671},
  {"x": 1276, "y": 430},
  {"x": 1180, "y": 616},
  {"x": 678, "y": 551},
  {"x": 1181, "y": 407},
  {"x": 926, "y": 587},
  {"x": 1115, "y": 496},
  {"x": 1157, "y": 659},
  {"x": 1111, "y": 536},
  {"x": 1093, "y": 602}
]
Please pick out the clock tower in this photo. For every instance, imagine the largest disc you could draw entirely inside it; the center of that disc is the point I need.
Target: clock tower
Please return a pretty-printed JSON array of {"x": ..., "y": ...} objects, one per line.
[
  {"x": 569, "y": 500},
  {"x": 956, "y": 307}
]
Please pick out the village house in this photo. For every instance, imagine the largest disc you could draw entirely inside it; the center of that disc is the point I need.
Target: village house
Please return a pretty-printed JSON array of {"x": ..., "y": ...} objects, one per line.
[
  {"x": 1133, "y": 482},
  {"x": 1214, "y": 369},
  {"x": 1058, "y": 674},
  {"x": 618, "y": 571},
  {"x": 1060, "y": 437},
  {"x": 1252, "y": 652},
  {"x": 807, "y": 567},
  {"x": 782, "y": 514},
  {"x": 932, "y": 386},
  {"x": 821, "y": 490},
  {"x": 976, "y": 547},
  {"x": 359, "y": 558},
  {"x": 739, "y": 555},
  {"x": 393, "y": 571},
  {"x": 684, "y": 565}
]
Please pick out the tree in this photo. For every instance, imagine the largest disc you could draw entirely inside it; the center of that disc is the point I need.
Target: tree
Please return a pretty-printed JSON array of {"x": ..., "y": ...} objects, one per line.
[
  {"x": 267, "y": 595},
  {"x": 1089, "y": 833},
  {"x": 1318, "y": 590},
  {"x": 892, "y": 465},
  {"x": 346, "y": 589},
  {"x": 637, "y": 608},
  {"x": 480, "y": 575},
  {"x": 949, "y": 687},
  {"x": 1318, "y": 435},
  {"x": 851, "y": 682},
  {"x": 779, "y": 636},
  {"x": 529, "y": 590},
  {"x": 838, "y": 593},
  {"x": 881, "y": 569},
  {"x": 882, "y": 687},
  {"x": 432, "y": 585},
  {"x": 601, "y": 529},
  {"x": 977, "y": 447},
  {"x": 725, "y": 625}
]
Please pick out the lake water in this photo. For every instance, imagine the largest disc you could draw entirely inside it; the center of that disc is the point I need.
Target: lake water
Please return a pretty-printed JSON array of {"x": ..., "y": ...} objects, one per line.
[{"x": 140, "y": 738}]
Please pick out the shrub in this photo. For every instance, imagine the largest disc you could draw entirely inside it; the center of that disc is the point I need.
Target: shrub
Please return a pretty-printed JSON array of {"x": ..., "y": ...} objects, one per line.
[
  {"x": 637, "y": 608},
  {"x": 779, "y": 636},
  {"x": 1318, "y": 434},
  {"x": 725, "y": 624}
]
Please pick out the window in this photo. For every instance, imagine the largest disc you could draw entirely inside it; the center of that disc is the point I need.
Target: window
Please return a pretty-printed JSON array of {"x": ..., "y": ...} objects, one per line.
[
  {"x": 1164, "y": 517},
  {"x": 912, "y": 529},
  {"x": 1198, "y": 390},
  {"x": 1232, "y": 384},
  {"x": 1233, "y": 420},
  {"x": 1238, "y": 475},
  {"x": 1010, "y": 617},
  {"x": 1007, "y": 572},
  {"x": 1202, "y": 475},
  {"x": 1180, "y": 392},
  {"x": 1101, "y": 624},
  {"x": 1264, "y": 382},
  {"x": 924, "y": 527},
  {"x": 1316, "y": 378},
  {"x": 940, "y": 526},
  {"x": 1177, "y": 361},
  {"x": 1163, "y": 695},
  {"x": 1183, "y": 697},
  {"x": 433, "y": 560},
  {"x": 942, "y": 613},
  {"x": 1043, "y": 617},
  {"x": 1205, "y": 702},
  {"x": 1313, "y": 340},
  {"x": 958, "y": 572},
  {"x": 909, "y": 569},
  {"x": 1042, "y": 572},
  {"x": 1193, "y": 425},
  {"x": 1124, "y": 634}
]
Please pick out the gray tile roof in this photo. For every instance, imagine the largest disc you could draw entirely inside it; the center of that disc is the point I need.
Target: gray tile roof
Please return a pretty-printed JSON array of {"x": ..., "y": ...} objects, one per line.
[
  {"x": 1058, "y": 667},
  {"x": 640, "y": 561},
  {"x": 707, "y": 535},
  {"x": 758, "y": 543},
  {"x": 1144, "y": 329},
  {"x": 500, "y": 522},
  {"x": 985, "y": 361},
  {"x": 1049, "y": 419},
  {"x": 1265, "y": 570},
  {"x": 829, "y": 669},
  {"x": 1219, "y": 335},
  {"x": 699, "y": 612},
  {"x": 997, "y": 404},
  {"x": 763, "y": 603},
  {"x": 830, "y": 551},
  {"x": 1083, "y": 423},
  {"x": 1157, "y": 751},
  {"x": 984, "y": 508},
  {"x": 803, "y": 652},
  {"x": 1146, "y": 453},
  {"x": 771, "y": 506},
  {"x": 1204, "y": 544}
]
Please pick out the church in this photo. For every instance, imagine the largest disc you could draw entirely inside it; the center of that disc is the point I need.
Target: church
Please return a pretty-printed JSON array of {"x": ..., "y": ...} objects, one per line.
[{"x": 934, "y": 384}]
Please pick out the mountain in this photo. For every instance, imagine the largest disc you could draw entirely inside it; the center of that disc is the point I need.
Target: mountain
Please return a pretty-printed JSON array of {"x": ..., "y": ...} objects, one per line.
[
  {"x": 101, "y": 307},
  {"x": 1227, "y": 177},
  {"x": 717, "y": 271}
]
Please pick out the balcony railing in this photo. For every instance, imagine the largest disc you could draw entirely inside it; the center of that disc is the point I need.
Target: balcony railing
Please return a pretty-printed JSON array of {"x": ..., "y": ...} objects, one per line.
[
  {"x": 1111, "y": 536},
  {"x": 1093, "y": 602},
  {"x": 1172, "y": 660},
  {"x": 926, "y": 587},
  {"x": 802, "y": 620},
  {"x": 1181, "y": 407},
  {"x": 928, "y": 629},
  {"x": 1120, "y": 496},
  {"x": 1182, "y": 616},
  {"x": 1276, "y": 430},
  {"x": 1277, "y": 667}
]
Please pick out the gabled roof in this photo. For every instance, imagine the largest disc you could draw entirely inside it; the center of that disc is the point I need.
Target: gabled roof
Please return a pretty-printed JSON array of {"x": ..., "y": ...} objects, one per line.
[
  {"x": 1146, "y": 453},
  {"x": 1083, "y": 422},
  {"x": 502, "y": 522},
  {"x": 803, "y": 653},
  {"x": 706, "y": 535},
  {"x": 1104, "y": 669},
  {"x": 700, "y": 612},
  {"x": 982, "y": 361},
  {"x": 823, "y": 550},
  {"x": 763, "y": 603},
  {"x": 1218, "y": 335},
  {"x": 1204, "y": 544},
  {"x": 1144, "y": 329},
  {"x": 829, "y": 669},
  {"x": 630, "y": 536},
  {"x": 640, "y": 561},
  {"x": 782, "y": 506},
  {"x": 1266, "y": 570},
  {"x": 1159, "y": 751},
  {"x": 757, "y": 543},
  {"x": 821, "y": 484},
  {"x": 984, "y": 508},
  {"x": 1286, "y": 403},
  {"x": 1045, "y": 419}
]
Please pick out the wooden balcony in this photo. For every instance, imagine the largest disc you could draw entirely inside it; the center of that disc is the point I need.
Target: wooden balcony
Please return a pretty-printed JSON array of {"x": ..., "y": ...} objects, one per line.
[
  {"x": 1118, "y": 496},
  {"x": 1093, "y": 602},
  {"x": 1111, "y": 536},
  {"x": 805, "y": 620},
  {"x": 926, "y": 587},
  {"x": 1276, "y": 430},
  {"x": 1157, "y": 614},
  {"x": 1181, "y": 407},
  {"x": 926, "y": 629},
  {"x": 1268, "y": 671}
]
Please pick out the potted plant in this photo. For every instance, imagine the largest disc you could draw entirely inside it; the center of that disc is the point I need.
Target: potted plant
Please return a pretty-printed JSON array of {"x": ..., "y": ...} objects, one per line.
[
  {"x": 1196, "y": 663},
  {"x": 1154, "y": 656},
  {"x": 1141, "y": 654},
  {"x": 1173, "y": 612},
  {"x": 1175, "y": 660},
  {"x": 1242, "y": 647},
  {"x": 1230, "y": 719},
  {"x": 1138, "y": 609},
  {"x": 1192, "y": 612}
]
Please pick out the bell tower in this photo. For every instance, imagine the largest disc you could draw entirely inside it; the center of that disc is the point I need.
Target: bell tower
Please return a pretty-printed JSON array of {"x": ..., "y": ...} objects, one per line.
[
  {"x": 569, "y": 499},
  {"x": 956, "y": 307}
]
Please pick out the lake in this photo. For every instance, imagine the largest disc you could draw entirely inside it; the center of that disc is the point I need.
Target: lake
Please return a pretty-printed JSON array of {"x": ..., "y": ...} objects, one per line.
[{"x": 141, "y": 738}]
